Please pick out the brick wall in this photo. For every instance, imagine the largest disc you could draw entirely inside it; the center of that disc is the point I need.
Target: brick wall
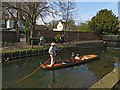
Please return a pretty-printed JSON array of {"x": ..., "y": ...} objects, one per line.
[
  {"x": 9, "y": 36},
  {"x": 70, "y": 36},
  {"x": 12, "y": 36}
]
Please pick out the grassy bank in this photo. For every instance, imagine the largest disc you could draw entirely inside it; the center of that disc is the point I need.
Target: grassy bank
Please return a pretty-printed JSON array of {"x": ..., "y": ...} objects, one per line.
[{"x": 28, "y": 52}]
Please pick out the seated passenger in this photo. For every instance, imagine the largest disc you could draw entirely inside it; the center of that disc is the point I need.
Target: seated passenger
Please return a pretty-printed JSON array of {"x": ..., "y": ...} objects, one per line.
[
  {"x": 72, "y": 56},
  {"x": 77, "y": 57},
  {"x": 84, "y": 57}
]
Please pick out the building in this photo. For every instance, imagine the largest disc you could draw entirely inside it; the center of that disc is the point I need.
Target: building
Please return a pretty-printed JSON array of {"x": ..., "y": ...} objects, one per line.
[
  {"x": 118, "y": 26},
  {"x": 60, "y": 26},
  {"x": 8, "y": 23},
  {"x": 7, "y": 28}
]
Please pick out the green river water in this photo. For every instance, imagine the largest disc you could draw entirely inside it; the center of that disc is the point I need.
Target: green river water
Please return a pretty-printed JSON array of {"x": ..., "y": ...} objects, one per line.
[{"x": 80, "y": 76}]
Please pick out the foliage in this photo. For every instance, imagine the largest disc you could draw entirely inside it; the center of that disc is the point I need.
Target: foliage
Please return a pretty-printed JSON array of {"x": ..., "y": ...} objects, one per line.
[
  {"x": 104, "y": 22},
  {"x": 57, "y": 38},
  {"x": 71, "y": 25},
  {"x": 83, "y": 27}
]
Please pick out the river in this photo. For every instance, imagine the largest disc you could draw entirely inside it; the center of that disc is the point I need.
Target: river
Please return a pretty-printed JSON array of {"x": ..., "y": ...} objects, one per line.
[{"x": 80, "y": 76}]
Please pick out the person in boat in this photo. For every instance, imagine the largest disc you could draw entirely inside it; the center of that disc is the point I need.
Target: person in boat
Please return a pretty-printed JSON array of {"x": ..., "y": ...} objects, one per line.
[
  {"x": 72, "y": 55},
  {"x": 52, "y": 52},
  {"x": 77, "y": 57}
]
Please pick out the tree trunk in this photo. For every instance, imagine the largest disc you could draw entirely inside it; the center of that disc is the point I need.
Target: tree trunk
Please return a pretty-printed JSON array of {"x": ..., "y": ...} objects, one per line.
[{"x": 32, "y": 33}]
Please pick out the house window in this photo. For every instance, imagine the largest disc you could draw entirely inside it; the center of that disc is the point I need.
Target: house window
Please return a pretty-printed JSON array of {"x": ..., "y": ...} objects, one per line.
[{"x": 3, "y": 25}]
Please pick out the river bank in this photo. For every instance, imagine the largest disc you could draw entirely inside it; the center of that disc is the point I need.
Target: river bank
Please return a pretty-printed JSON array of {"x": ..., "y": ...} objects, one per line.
[{"x": 21, "y": 50}]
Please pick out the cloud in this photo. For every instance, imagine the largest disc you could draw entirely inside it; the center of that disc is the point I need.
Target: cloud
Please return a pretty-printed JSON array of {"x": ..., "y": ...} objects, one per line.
[{"x": 47, "y": 19}]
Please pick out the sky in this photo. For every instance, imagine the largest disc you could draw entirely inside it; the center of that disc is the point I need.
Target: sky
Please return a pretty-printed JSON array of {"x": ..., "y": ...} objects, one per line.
[{"x": 86, "y": 10}]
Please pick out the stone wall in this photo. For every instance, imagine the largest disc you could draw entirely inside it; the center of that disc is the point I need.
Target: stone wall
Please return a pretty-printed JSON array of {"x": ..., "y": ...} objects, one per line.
[{"x": 112, "y": 40}]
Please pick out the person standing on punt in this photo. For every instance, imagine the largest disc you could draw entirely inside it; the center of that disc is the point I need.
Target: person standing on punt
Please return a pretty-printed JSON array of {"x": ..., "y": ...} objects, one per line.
[{"x": 52, "y": 52}]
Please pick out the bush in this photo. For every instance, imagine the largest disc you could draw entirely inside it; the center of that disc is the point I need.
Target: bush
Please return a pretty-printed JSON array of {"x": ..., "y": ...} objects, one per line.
[
  {"x": 50, "y": 39},
  {"x": 57, "y": 38}
]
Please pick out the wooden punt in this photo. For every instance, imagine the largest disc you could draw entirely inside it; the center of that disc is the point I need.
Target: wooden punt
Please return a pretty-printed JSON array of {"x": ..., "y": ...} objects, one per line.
[{"x": 69, "y": 62}]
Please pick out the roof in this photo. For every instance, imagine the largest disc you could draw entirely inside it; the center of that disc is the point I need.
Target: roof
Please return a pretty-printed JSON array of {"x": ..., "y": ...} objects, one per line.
[{"x": 118, "y": 25}]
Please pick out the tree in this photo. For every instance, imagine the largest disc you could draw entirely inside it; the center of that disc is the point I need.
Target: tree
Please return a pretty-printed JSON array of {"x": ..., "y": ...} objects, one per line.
[
  {"x": 71, "y": 25},
  {"x": 52, "y": 24},
  {"x": 104, "y": 22},
  {"x": 66, "y": 8},
  {"x": 28, "y": 13},
  {"x": 83, "y": 27}
]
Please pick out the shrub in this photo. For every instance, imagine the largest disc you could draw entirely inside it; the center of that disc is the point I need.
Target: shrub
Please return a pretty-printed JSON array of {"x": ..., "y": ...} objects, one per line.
[{"x": 57, "y": 38}]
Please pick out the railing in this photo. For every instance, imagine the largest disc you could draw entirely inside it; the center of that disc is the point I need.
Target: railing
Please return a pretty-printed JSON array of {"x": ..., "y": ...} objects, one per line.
[
  {"x": 111, "y": 37},
  {"x": 112, "y": 40}
]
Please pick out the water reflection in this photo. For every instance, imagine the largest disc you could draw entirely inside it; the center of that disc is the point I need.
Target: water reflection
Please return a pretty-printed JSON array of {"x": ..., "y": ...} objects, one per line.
[
  {"x": 73, "y": 77},
  {"x": 52, "y": 80},
  {"x": 116, "y": 62},
  {"x": 82, "y": 68}
]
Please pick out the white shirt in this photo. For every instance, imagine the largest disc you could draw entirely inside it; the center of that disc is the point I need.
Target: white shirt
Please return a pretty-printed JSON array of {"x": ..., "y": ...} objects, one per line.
[
  {"x": 76, "y": 57},
  {"x": 52, "y": 50},
  {"x": 41, "y": 38}
]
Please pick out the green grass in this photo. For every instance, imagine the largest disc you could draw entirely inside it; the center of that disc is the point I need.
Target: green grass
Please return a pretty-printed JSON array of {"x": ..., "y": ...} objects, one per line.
[
  {"x": 37, "y": 48},
  {"x": 26, "y": 49}
]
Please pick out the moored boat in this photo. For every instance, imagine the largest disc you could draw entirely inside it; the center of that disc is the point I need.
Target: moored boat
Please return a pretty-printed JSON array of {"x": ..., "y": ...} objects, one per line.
[{"x": 69, "y": 62}]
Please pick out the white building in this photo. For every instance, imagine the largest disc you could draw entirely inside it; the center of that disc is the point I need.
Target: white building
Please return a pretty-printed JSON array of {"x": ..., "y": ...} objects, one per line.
[
  {"x": 118, "y": 26},
  {"x": 60, "y": 26}
]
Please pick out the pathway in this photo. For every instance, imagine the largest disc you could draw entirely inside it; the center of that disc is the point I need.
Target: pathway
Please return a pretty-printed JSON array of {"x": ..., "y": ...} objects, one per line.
[
  {"x": 23, "y": 45},
  {"x": 109, "y": 80}
]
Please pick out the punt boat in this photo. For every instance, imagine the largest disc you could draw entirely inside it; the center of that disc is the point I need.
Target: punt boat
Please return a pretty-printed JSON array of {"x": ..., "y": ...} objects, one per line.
[{"x": 69, "y": 62}]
